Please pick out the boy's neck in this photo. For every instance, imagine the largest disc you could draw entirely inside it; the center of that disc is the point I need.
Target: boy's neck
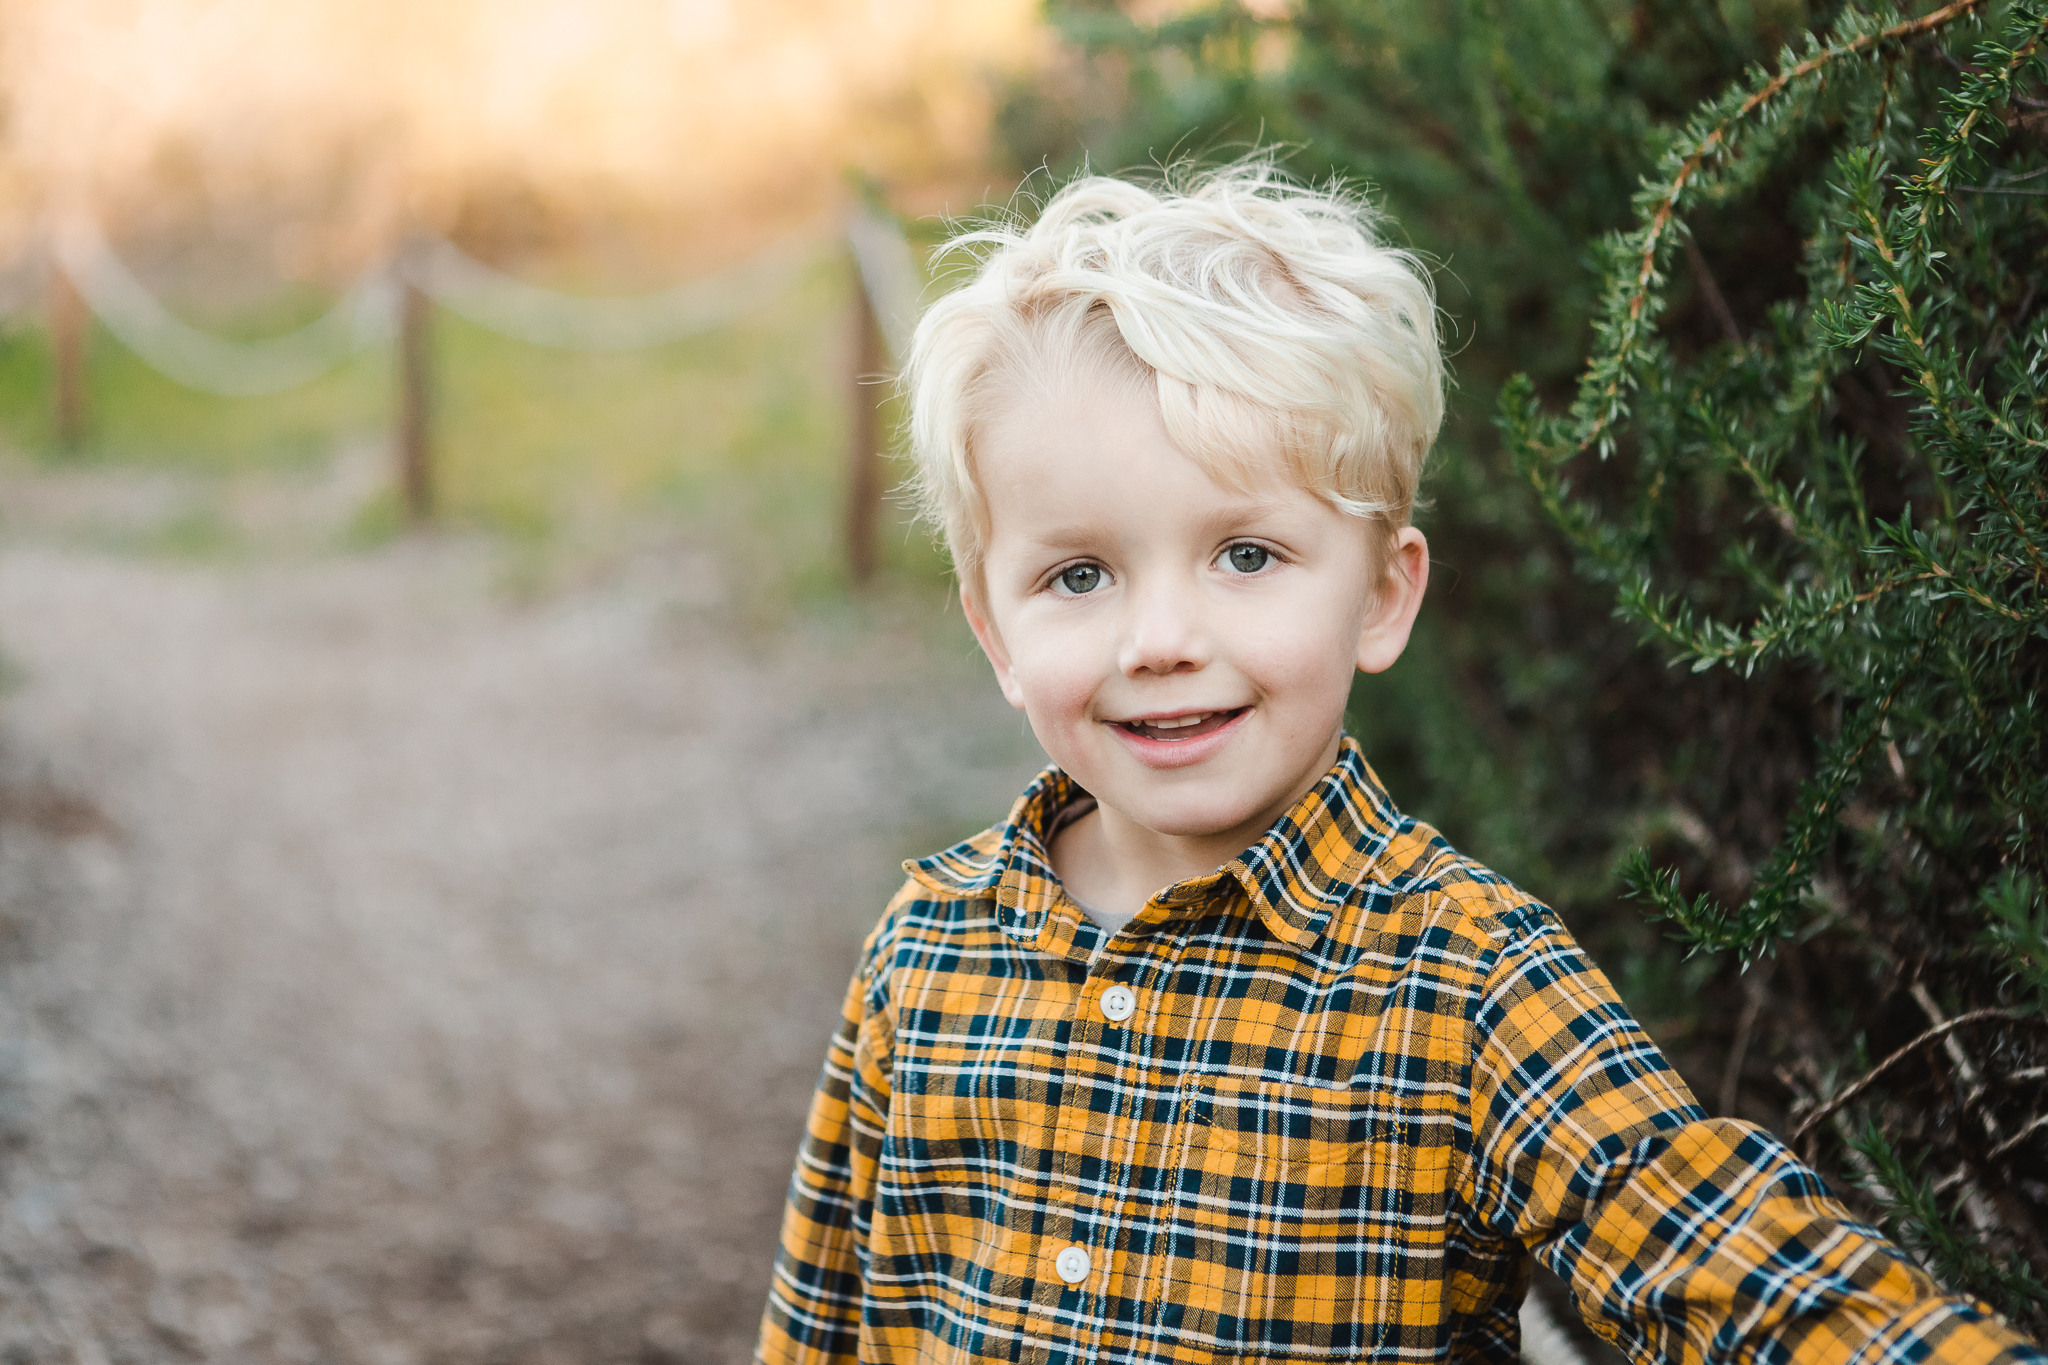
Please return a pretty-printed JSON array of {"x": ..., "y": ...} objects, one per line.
[{"x": 1113, "y": 865}]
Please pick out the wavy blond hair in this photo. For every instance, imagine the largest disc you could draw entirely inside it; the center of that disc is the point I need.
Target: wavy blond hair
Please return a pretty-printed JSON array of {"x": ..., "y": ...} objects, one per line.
[{"x": 1266, "y": 316}]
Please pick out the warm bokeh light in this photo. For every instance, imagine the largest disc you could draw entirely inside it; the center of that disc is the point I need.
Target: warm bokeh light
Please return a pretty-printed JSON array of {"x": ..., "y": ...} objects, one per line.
[{"x": 370, "y": 117}]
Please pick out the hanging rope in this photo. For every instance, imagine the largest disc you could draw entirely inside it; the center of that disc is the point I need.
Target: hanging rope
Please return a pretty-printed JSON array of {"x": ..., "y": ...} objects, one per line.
[
  {"x": 200, "y": 360},
  {"x": 511, "y": 307},
  {"x": 467, "y": 287}
]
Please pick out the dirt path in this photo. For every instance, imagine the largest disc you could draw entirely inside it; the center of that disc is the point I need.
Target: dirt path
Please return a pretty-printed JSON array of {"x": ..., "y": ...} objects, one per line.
[{"x": 393, "y": 973}]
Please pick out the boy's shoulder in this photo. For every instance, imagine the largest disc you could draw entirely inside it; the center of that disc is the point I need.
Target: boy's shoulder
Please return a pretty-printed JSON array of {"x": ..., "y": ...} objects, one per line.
[
  {"x": 1388, "y": 894},
  {"x": 1421, "y": 879}
]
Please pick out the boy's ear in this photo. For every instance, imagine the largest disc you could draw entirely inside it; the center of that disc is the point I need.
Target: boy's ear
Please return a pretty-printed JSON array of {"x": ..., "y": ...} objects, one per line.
[
  {"x": 991, "y": 645},
  {"x": 1400, "y": 599}
]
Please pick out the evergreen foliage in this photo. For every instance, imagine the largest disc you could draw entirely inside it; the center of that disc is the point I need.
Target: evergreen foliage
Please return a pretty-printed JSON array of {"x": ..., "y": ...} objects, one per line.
[
  {"x": 1804, "y": 464},
  {"x": 1903, "y": 582}
]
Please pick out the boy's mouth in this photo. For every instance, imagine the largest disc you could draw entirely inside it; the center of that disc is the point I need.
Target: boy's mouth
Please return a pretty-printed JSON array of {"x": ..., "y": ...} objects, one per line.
[{"x": 1193, "y": 725}]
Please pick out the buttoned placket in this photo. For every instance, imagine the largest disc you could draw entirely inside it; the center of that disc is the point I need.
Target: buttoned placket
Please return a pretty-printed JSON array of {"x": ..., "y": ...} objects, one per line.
[
  {"x": 1065, "y": 1311},
  {"x": 1105, "y": 1017}
]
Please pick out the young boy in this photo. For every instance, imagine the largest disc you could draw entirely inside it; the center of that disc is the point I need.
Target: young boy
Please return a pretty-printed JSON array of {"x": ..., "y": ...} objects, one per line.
[{"x": 1207, "y": 1051}]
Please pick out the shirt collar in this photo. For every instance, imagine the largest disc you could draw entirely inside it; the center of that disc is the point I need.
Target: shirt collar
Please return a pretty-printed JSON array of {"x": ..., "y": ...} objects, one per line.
[{"x": 1306, "y": 866}]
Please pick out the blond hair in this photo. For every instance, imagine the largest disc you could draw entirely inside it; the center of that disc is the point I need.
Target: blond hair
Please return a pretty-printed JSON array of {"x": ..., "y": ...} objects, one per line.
[{"x": 1266, "y": 316}]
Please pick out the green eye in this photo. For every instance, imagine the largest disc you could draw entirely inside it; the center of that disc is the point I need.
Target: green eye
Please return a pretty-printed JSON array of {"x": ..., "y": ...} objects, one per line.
[
  {"x": 1081, "y": 578},
  {"x": 1249, "y": 558}
]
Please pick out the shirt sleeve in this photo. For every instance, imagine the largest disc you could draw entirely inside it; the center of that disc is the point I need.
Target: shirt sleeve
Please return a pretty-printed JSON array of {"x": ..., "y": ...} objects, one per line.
[
  {"x": 814, "y": 1301},
  {"x": 1684, "y": 1238}
]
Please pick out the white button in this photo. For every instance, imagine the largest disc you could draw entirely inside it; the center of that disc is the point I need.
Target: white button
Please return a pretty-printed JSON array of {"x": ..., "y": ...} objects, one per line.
[
  {"x": 1073, "y": 1265},
  {"x": 1117, "y": 1003}
]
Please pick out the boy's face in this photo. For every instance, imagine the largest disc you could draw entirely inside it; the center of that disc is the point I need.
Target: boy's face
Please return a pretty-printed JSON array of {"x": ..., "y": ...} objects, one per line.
[{"x": 1183, "y": 649}]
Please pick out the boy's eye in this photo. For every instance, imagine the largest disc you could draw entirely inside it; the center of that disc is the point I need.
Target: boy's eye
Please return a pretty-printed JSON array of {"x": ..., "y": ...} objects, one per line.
[
  {"x": 1081, "y": 578},
  {"x": 1249, "y": 558}
]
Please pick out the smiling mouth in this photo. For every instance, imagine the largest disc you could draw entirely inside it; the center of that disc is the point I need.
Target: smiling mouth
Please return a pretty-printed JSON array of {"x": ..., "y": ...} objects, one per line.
[{"x": 1176, "y": 728}]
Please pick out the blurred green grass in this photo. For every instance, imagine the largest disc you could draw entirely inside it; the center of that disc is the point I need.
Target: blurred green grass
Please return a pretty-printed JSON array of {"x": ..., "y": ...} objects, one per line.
[{"x": 738, "y": 434}]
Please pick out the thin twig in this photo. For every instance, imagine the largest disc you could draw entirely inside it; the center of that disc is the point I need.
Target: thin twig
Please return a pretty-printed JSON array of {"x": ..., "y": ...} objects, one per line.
[
  {"x": 1932, "y": 1035},
  {"x": 1949, "y": 58},
  {"x": 1754, "y": 989},
  {"x": 1710, "y": 290},
  {"x": 1950, "y": 1181},
  {"x": 1759, "y": 645},
  {"x": 1964, "y": 1066},
  {"x": 2021, "y": 1136}
]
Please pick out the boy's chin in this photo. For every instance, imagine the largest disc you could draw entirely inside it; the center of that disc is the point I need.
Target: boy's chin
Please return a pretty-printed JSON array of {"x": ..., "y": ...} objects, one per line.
[{"x": 1197, "y": 819}]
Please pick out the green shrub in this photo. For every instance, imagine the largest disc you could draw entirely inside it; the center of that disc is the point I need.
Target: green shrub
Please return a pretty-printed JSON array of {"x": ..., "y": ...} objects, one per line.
[
  {"x": 1805, "y": 463},
  {"x": 1889, "y": 580}
]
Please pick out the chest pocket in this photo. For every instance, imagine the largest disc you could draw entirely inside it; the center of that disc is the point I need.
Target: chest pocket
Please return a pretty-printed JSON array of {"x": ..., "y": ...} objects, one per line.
[{"x": 1292, "y": 1230}]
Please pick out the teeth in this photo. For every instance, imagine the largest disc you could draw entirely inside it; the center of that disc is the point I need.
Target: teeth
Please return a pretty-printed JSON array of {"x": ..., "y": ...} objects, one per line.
[{"x": 1183, "y": 721}]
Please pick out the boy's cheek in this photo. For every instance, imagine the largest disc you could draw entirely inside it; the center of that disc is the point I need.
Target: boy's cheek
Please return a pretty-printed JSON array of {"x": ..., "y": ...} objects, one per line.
[
  {"x": 1299, "y": 655},
  {"x": 1057, "y": 704},
  {"x": 1053, "y": 698}
]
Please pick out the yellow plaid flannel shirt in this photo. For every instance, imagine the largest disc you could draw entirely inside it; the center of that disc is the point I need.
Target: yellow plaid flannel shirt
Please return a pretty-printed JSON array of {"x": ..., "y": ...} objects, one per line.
[{"x": 1357, "y": 1082}]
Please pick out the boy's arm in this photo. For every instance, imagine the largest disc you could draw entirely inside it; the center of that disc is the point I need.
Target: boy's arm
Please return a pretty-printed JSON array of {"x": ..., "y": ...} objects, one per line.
[
  {"x": 1684, "y": 1238},
  {"x": 814, "y": 1302}
]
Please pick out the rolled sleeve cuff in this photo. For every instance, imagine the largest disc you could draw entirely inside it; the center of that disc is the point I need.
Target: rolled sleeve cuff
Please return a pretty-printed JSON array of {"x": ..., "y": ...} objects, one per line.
[{"x": 1954, "y": 1331}]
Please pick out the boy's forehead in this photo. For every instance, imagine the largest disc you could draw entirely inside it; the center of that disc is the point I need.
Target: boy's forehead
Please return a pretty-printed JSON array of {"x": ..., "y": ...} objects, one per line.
[
  {"x": 1087, "y": 446},
  {"x": 1086, "y": 464}
]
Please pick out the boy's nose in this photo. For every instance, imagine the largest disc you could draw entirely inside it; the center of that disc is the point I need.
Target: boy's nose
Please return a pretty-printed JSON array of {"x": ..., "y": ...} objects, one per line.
[{"x": 1163, "y": 633}]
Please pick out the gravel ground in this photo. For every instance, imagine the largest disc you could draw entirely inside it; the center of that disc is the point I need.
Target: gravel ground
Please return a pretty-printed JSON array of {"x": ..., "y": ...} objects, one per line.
[
  {"x": 397, "y": 968},
  {"x": 394, "y": 972}
]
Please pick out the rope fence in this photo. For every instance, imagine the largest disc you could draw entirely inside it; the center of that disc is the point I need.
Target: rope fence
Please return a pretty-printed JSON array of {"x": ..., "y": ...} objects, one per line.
[
  {"x": 498, "y": 302},
  {"x": 82, "y": 276},
  {"x": 200, "y": 360}
]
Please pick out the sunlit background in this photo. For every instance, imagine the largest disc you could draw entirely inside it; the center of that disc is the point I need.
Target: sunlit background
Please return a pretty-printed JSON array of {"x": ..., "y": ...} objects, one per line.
[
  {"x": 422, "y": 911},
  {"x": 356, "y": 123},
  {"x": 249, "y": 163}
]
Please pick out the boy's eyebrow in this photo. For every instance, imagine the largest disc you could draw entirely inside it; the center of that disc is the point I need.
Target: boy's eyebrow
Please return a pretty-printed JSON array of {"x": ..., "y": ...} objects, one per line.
[
  {"x": 1231, "y": 516},
  {"x": 1249, "y": 507},
  {"x": 1061, "y": 535}
]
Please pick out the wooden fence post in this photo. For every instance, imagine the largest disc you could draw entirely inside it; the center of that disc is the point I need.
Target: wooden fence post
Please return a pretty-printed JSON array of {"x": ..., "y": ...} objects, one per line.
[
  {"x": 415, "y": 405},
  {"x": 864, "y": 444},
  {"x": 69, "y": 324}
]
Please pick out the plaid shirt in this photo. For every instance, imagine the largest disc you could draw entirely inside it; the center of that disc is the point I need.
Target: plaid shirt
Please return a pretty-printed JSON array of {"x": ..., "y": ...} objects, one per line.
[{"x": 1323, "y": 1103}]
